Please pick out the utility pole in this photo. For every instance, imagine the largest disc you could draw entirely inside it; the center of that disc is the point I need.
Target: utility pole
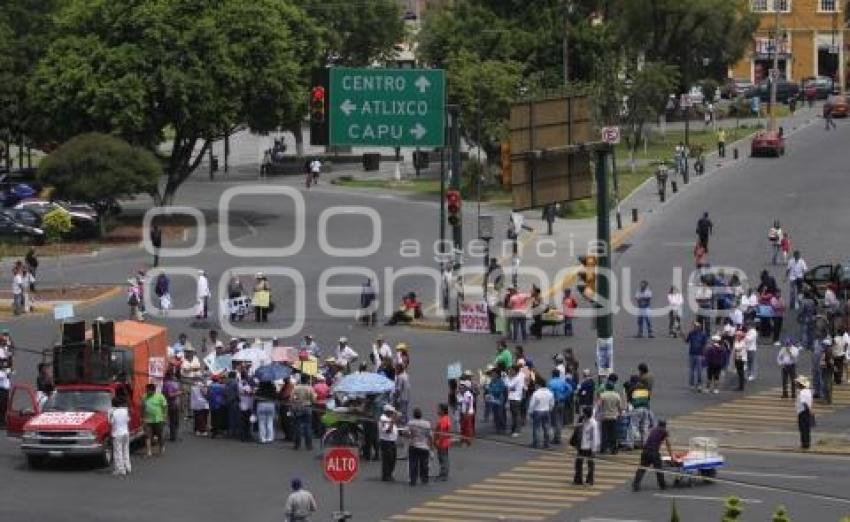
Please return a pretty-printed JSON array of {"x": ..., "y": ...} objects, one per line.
[
  {"x": 605, "y": 319},
  {"x": 454, "y": 182},
  {"x": 566, "y": 42}
]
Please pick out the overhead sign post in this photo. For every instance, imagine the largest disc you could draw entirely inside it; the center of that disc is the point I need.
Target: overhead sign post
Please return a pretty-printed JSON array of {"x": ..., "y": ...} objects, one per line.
[{"x": 387, "y": 107}]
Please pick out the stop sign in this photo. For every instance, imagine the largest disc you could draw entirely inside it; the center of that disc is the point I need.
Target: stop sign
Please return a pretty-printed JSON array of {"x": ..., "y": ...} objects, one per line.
[{"x": 341, "y": 464}]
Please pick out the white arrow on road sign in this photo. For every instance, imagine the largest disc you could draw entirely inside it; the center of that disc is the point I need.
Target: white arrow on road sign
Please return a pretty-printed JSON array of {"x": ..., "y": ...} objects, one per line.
[
  {"x": 422, "y": 84},
  {"x": 347, "y": 107},
  {"x": 418, "y": 131}
]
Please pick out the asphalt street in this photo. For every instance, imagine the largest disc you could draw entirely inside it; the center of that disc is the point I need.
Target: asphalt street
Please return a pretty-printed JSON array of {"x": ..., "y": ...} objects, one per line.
[{"x": 200, "y": 479}]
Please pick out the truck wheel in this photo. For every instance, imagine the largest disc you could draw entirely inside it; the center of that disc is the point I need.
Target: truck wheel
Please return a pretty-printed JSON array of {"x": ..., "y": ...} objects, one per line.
[
  {"x": 35, "y": 461},
  {"x": 106, "y": 456}
]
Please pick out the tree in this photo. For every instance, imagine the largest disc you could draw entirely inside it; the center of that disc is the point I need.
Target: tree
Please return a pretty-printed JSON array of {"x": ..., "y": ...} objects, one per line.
[
  {"x": 781, "y": 515},
  {"x": 733, "y": 510},
  {"x": 137, "y": 67},
  {"x": 94, "y": 166},
  {"x": 646, "y": 92},
  {"x": 357, "y": 33},
  {"x": 484, "y": 91},
  {"x": 56, "y": 224}
]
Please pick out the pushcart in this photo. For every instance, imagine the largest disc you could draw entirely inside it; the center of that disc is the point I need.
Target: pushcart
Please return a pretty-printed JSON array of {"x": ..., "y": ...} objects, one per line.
[{"x": 699, "y": 463}]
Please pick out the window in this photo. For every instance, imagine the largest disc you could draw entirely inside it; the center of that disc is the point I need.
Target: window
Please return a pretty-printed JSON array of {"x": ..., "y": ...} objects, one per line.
[
  {"x": 766, "y": 6},
  {"x": 783, "y": 6},
  {"x": 829, "y": 6},
  {"x": 759, "y": 5}
]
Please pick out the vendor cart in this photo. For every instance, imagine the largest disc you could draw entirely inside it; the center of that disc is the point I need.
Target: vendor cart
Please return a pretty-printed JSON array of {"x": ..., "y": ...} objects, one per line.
[{"x": 699, "y": 463}]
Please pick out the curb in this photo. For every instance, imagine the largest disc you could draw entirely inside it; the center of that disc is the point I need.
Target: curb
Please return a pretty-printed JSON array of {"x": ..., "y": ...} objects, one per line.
[
  {"x": 429, "y": 326},
  {"x": 46, "y": 307}
]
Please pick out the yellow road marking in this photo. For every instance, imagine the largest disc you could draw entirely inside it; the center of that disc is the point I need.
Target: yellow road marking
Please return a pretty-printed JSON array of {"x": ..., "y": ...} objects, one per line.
[
  {"x": 567, "y": 477},
  {"x": 493, "y": 516},
  {"x": 557, "y": 485},
  {"x": 509, "y": 501},
  {"x": 494, "y": 509},
  {"x": 571, "y": 493},
  {"x": 523, "y": 496},
  {"x": 433, "y": 519}
]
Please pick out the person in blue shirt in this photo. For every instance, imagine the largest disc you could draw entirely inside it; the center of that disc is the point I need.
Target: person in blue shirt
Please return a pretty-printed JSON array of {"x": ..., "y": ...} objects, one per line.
[
  {"x": 218, "y": 407},
  {"x": 696, "y": 339},
  {"x": 562, "y": 391},
  {"x": 498, "y": 397}
]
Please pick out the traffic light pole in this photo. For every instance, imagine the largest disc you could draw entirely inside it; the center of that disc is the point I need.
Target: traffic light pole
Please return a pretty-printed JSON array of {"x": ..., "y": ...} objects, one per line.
[{"x": 454, "y": 182}]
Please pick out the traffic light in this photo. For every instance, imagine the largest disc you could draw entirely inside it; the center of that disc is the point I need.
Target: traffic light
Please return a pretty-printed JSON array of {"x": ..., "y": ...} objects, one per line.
[
  {"x": 453, "y": 202},
  {"x": 319, "y": 107},
  {"x": 587, "y": 276},
  {"x": 317, "y": 104}
]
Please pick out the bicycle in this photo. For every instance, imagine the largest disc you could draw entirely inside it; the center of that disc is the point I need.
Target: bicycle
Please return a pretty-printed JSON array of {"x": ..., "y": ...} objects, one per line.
[{"x": 343, "y": 434}]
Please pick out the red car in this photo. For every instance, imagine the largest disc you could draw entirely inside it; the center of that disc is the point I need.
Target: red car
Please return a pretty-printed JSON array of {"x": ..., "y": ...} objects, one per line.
[{"x": 768, "y": 142}]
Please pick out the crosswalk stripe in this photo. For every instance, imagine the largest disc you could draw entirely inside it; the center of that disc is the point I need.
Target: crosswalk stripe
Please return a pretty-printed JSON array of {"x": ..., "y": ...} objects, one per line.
[
  {"x": 565, "y": 486},
  {"x": 723, "y": 418},
  {"x": 566, "y": 477},
  {"x": 491, "y": 516},
  {"x": 754, "y": 417},
  {"x": 522, "y": 496},
  {"x": 510, "y": 490},
  {"x": 494, "y": 509},
  {"x": 569, "y": 472},
  {"x": 509, "y": 501},
  {"x": 433, "y": 519}
]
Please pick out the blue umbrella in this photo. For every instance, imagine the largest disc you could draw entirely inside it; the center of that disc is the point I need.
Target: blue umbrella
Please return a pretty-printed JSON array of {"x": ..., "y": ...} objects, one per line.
[
  {"x": 364, "y": 383},
  {"x": 273, "y": 372}
]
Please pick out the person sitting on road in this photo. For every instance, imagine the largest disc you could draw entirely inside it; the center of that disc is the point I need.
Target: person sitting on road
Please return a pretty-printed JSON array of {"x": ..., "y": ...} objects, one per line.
[{"x": 409, "y": 310}]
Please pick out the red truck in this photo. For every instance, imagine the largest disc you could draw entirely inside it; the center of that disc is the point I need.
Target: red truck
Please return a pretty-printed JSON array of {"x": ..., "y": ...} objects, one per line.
[{"x": 73, "y": 421}]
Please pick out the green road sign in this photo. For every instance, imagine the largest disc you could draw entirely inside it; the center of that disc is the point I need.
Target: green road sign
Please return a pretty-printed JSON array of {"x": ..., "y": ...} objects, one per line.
[{"x": 387, "y": 107}]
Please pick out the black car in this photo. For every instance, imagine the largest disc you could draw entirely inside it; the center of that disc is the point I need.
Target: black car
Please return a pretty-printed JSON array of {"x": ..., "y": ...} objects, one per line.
[
  {"x": 785, "y": 90},
  {"x": 84, "y": 226},
  {"x": 821, "y": 276},
  {"x": 12, "y": 230}
]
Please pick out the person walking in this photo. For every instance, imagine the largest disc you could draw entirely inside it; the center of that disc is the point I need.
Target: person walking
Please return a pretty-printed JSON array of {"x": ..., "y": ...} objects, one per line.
[
  {"x": 721, "y": 142},
  {"x": 516, "y": 390},
  {"x": 443, "y": 440},
  {"x": 714, "y": 357},
  {"x": 696, "y": 340},
  {"x": 388, "y": 436},
  {"x": 119, "y": 422},
  {"x": 156, "y": 243},
  {"x": 154, "y": 411},
  {"x": 261, "y": 299},
  {"x": 31, "y": 263},
  {"x": 586, "y": 440},
  {"x": 203, "y": 295},
  {"x": 705, "y": 228},
  {"x": 739, "y": 354},
  {"x": 610, "y": 408},
  {"x": 795, "y": 271},
  {"x": 651, "y": 455},
  {"x": 300, "y": 503},
  {"x": 787, "y": 361},
  {"x": 751, "y": 340},
  {"x": 643, "y": 297},
  {"x": 541, "y": 405},
  {"x": 418, "y": 453},
  {"x": 805, "y": 415},
  {"x": 774, "y": 237},
  {"x": 549, "y": 214}
]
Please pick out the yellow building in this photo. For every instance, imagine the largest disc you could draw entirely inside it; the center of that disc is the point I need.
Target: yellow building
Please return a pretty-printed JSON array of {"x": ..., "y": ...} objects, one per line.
[{"x": 812, "y": 36}]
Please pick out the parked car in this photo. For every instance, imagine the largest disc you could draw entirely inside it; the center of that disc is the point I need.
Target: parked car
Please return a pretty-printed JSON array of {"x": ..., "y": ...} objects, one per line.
[
  {"x": 820, "y": 276},
  {"x": 768, "y": 143},
  {"x": 11, "y": 193},
  {"x": 785, "y": 90},
  {"x": 12, "y": 230},
  {"x": 735, "y": 87},
  {"x": 824, "y": 86},
  {"x": 85, "y": 225},
  {"x": 839, "y": 106}
]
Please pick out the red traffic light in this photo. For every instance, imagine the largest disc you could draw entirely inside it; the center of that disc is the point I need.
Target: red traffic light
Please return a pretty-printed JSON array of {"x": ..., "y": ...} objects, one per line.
[
  {"x": 318, "y": 94},
  {"x": 453, "y": 202}
]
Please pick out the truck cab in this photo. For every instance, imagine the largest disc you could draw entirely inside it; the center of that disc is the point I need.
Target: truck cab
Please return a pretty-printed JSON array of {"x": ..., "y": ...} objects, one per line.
[{"x": 74, "y": 422}]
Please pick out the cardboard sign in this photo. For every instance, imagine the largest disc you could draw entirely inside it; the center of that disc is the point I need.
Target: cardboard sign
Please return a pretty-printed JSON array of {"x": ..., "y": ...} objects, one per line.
[
  {"x": 454, "y": 371},
  {"x": 473, "y": 317},
  {"x": 605, "y": 356},
  {"x": 63, "y": 311}
]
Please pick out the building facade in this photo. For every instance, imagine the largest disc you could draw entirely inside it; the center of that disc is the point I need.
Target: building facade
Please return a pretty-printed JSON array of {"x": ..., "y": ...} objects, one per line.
[{"x": 813, "y": 40}]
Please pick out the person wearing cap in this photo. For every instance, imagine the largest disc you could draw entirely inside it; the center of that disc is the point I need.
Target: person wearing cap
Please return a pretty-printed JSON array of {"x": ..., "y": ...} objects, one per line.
[
  {"x": 787, "y": 361},
  {"x": 401, "y": 393},
  {"x": 466, "y": 404},
  {"x": 805, "y": 416},
  {"x": 380, "y": 350},
  {"x": 402, "y": 355},
  {"x": 825, "y": 370},
  {"x": 388, "y": 436},
  {"x": 300, "y": 503},
  {"x": 262, "y": 298},
  {"x": 714, "y": 355},
  {"x": 345, "y": 354},
  {"x": 651, "y": 455}
]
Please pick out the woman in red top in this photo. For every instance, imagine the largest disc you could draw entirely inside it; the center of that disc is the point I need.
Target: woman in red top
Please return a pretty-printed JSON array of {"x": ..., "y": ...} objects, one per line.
[
  {"x": 568, "y": 306},
  {"x": 443, "y": 440}
]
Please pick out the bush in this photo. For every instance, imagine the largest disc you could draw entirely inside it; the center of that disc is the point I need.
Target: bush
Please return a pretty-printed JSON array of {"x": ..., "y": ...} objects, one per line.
[
  {"x": 733, "y": 510},
  {"x": 781, "y": 515}
]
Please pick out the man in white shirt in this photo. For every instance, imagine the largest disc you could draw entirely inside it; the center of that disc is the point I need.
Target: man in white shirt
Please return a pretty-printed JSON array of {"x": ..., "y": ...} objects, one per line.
[
  {"x": 388, "y": 436},
  {"x": 588, "y": 446},
  {"x": 299, "y": 504},
  {"x": 516, "y": 389},
  {"x": 804, "y": 411},
  {"x": 541, "y": 405},
  {"x": 787, "y": 361},
  {"x": 751, "y": 341},
  {"x": 18, "y": 292},
  {"x": 381, "y": 350},
  {"x": 203, "y": 295},
  {"x": 796, "y": 270},
  {"x": 345, "y": 354}
]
